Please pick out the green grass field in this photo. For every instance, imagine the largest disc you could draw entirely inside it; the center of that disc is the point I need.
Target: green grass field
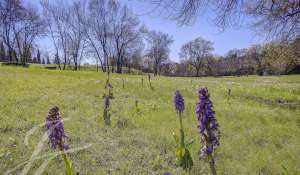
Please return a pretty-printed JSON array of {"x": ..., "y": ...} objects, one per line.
[{"x": 260, "y": 123}]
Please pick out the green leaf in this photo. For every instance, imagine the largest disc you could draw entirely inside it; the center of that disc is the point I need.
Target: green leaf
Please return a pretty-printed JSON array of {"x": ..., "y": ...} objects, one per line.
[
  {"x": 69, "y": 165},
  {"x": 182, "y": 152},
  {"x": 176, "y": 138},
  {"x": 189, "y": 144}
]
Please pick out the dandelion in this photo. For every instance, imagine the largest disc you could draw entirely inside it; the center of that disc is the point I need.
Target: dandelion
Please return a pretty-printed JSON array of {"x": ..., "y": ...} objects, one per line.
[
  {"x": 57, "y": 137},
  {"x": 208, "y": 127},
  {"x": 182, "y": 152}
]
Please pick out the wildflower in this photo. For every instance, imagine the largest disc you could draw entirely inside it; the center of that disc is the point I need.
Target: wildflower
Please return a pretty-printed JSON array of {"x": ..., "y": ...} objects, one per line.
[
  {"x": 207, "y": 124},
  {"x": 56, "y": 134},
  {"x": 106, "y": 102},
  {"x": 55, "y": 129},
  {"x": 182, "y": 152},
  {"x": 179, "y": 102}
]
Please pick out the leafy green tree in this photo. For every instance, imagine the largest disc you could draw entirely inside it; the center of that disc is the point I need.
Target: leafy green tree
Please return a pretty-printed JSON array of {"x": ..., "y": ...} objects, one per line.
[{"x": 279, "y": 58}]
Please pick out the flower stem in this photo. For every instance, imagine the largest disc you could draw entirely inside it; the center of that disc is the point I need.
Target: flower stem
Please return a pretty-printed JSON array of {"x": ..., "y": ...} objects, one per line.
[
  {"x": 69, "y": 166},
  {"x": 212, "y": 165},
  {"x": 181, "y": 131}
]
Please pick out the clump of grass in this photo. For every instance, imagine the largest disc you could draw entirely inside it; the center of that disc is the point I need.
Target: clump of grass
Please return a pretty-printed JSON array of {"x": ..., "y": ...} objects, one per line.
[{"x": 124, "y": 123}]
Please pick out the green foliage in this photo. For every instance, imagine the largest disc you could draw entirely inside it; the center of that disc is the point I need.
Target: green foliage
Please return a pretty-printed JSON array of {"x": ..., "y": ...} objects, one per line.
[
  {"x": 184, "y": 158},
  {"x": 279, "y": 58},
  {"x": 70, "y": 169},
  {"x": 285, "y": 171}
]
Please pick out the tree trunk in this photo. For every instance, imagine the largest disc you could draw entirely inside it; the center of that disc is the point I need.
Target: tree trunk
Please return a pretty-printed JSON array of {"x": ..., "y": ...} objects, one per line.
[
  {"x": 155, "y": 69},
  {"x": 65, "y": 62},
  {"x": 10, "y": 55},
  {"x": 57, "y": 59},
  {"x": 197, "y": 72},
  {"x": 129, "y": 68},
  {"x": 119, "y": 66}
]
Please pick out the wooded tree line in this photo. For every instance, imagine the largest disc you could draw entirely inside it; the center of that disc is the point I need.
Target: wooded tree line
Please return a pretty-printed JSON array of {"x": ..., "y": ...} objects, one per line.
[
  {"x": 107, "y": 33},
  {"x": 104, "y": 32},
  {"x": 273, "y": 58}
]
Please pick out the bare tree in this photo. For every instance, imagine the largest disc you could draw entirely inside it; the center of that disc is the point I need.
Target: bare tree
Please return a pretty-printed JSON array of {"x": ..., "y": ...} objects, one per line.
[
  {"x": 158, "y": 48},
  {"x": 97, "y": 28},
  {"x": 56, "y": 16},
  {"x": 100, "y": 30},
  {"x": 256, "y": 53},
  {"x": 49, "y": 22},
  {"x": 197, "y": 52},
  {"x": 75, "y": 34},
  {"x": 29, "y": 28},
  {"x": 19, "y": 27},
  {"x": 126, "y": 34},
  {"x": 11, "y": 13},
  {"x": 280, "y": 19}
]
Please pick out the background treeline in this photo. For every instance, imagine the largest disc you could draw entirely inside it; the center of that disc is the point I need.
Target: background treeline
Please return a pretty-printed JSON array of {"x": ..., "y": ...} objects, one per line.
[
  {"x": 273, "y": 58},
  {"x": 108, "y": 35}
]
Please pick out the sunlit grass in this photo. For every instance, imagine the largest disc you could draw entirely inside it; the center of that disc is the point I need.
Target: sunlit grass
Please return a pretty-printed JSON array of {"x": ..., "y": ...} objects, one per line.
[{"x": 260, "y": 123}]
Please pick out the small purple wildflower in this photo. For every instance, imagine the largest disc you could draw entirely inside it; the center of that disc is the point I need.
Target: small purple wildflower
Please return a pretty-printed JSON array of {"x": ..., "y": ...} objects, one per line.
[
  {"x": 55, "y": 129},
  {"x": 179, "y": 102},
  {"x": 207, "y": 124},
  {"x": 106, "y": 102}
]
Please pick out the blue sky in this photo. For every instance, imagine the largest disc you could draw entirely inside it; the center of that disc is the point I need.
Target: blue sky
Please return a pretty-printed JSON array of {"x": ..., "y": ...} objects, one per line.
[{"x": 223, "y": 41}]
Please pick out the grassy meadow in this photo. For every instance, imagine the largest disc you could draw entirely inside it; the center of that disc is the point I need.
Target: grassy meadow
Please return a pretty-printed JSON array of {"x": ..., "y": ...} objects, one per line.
[{"x": 259, "y": 122}]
